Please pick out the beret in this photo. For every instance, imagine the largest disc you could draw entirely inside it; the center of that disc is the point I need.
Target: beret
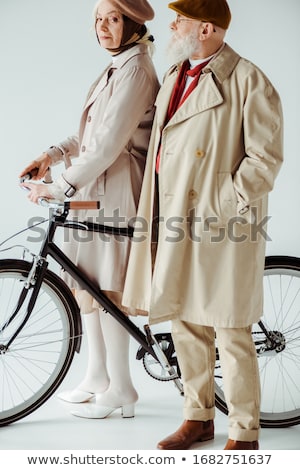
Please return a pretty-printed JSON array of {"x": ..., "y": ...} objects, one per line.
[{"x": 139, "y": 11}]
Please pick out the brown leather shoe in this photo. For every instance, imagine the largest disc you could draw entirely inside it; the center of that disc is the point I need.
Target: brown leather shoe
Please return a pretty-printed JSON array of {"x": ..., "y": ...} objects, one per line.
[
  {"x": 241, "y": 445},
  {"x": 188, "y": 433}
]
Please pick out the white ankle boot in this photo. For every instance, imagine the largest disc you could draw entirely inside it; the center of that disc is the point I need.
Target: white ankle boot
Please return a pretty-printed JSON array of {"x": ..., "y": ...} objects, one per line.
[{"x": 96, "y": 378}]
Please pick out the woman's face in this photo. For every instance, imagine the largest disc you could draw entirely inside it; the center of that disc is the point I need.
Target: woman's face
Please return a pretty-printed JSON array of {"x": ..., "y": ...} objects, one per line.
[{"x": 109, "y": 25}]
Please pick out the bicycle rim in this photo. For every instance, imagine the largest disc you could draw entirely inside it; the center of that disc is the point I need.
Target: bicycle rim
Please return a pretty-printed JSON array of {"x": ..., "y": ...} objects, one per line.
[
  {"x": 279, "y": 370},
  {"x": 38, "y": 359}
]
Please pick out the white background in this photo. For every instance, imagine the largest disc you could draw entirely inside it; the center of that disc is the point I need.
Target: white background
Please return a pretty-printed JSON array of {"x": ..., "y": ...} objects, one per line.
[{"x": 49, "y": 58}]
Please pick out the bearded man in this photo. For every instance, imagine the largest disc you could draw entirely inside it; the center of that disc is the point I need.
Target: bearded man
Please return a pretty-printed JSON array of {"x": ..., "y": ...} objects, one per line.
[{"x": 215, "y": 151}]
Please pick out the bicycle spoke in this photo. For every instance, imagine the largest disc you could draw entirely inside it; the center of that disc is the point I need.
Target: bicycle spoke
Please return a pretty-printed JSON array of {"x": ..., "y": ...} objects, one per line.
[{"x": 39, "y": 356}]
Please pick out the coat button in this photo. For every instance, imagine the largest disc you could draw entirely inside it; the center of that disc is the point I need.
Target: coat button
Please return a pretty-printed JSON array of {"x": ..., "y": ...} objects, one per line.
[
  {"x": 83, "y": 148},
  {"x": 244, "y": 210},
  {"x": 89, "y": 118},
  {"x": 192, "y": 194},
  {"x": 199, "y": 153}
]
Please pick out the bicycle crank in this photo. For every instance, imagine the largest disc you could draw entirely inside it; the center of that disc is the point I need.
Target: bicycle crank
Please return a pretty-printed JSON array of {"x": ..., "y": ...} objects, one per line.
[{"x": 163, "y": 365}]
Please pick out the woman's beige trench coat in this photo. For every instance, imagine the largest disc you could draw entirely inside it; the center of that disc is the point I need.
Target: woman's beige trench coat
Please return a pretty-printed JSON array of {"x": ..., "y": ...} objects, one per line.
[
  {"x": 220, "y": 154},
  {"x": 108, "y": 158}
]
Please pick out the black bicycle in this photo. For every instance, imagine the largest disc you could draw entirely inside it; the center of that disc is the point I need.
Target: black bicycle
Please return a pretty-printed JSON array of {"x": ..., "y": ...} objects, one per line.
[{"x": 40, "y": 329}]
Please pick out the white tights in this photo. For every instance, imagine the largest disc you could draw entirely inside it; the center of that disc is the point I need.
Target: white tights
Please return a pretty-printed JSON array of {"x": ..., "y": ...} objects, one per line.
[{"x": 108, "y": 372}]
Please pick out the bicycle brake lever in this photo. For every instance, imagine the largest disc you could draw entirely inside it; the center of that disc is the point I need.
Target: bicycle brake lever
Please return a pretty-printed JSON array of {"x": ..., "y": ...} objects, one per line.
[
  {"x": 58, "y": 206},
  {"x": 29, "y": 175},
  {"x": 47, "y": 178},
  {"x": 42, "y": 201}
]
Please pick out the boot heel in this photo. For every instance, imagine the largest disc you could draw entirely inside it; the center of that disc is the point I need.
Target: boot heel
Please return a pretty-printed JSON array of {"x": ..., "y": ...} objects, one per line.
[{"x": 127, "y": 411}]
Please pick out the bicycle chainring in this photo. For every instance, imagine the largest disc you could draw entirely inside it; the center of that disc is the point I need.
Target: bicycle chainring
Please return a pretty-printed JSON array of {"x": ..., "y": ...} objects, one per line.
[{"x": 154, "y": 368}]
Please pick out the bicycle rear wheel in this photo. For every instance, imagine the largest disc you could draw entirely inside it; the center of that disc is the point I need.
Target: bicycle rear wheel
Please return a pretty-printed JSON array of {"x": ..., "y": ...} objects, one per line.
[
  {"x": 279, "y": 368},
  {"x": 38, "y": 359}
]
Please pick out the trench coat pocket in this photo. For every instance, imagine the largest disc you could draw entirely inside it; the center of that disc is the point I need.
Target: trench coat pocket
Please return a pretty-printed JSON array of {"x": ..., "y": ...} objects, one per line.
[{"x": 228, "y": 201}]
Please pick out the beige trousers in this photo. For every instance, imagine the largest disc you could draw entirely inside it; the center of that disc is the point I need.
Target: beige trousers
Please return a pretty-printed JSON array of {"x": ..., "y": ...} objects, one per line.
[{"x": 195, "y": 347}]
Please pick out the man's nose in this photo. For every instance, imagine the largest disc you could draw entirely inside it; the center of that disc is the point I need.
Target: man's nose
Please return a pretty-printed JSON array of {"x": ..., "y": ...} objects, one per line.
[{"x": 173, "y": 25}]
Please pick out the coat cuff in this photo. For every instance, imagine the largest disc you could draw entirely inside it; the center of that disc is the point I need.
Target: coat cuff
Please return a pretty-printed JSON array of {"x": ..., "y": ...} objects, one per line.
[
  {"x": 55, "y": 153},
  {"x": 58, "y": 153},
  {"x": 61, "y": 189}
]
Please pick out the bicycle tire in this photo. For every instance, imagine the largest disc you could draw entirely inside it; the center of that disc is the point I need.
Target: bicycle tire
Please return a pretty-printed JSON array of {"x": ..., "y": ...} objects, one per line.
[
  {"x": 279, "y": 371},
  {"x": 38, "y": 359}
]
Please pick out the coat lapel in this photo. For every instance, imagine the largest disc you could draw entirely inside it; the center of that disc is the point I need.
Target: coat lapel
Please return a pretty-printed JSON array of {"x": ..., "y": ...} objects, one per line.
[
  {"x": 205, "y": 96},
  {"x": 98, "y": 86},
  {"x": 163, "y": 99}
]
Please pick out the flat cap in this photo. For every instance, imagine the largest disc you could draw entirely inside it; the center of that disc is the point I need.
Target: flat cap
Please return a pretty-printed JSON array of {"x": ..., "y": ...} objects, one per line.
[{"x": 213, "y": 11}]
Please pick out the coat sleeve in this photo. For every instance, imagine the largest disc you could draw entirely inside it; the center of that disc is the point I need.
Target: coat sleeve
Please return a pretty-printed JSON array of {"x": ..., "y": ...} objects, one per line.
[
  {"x": 70, "y": 148},
  {"x": 132, "y": 96},
  {"x": 263, "y": 141}
]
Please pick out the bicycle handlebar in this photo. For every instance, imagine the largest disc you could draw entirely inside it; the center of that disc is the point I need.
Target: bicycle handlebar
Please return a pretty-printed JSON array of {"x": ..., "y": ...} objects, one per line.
[
  {"x": 62, "y": 208},
  {"x": 59, "y": 205},
  {"x": 68, "y": 205}
]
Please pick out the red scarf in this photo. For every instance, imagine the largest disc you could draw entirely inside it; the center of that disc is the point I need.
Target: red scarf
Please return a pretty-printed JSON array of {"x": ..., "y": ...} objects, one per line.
[{"x": 177, "y": 97}]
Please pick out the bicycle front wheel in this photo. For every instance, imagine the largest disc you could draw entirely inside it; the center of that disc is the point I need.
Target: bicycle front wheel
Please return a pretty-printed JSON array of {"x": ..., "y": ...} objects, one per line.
[
  {"x": 37, "y": 360},
  {"x": 280, "y": 367}
]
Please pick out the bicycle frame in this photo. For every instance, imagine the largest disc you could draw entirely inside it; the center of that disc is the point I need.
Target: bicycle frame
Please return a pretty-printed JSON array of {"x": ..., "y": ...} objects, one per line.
[
  {"x": 146, "y": 340},
  {"x": 31, "y": 284}
]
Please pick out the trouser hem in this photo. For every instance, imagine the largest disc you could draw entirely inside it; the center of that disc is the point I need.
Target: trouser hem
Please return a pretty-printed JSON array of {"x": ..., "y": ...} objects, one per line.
[
  {"x": 247, "y": 435},
  {"x": 195, "y": 414}
]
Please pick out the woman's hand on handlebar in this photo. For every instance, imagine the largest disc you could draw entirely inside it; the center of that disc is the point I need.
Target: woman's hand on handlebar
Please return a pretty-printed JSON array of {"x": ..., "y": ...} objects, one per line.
[
  {"x": 38, "y": 168},
  {"x": 37, "y": 191}
]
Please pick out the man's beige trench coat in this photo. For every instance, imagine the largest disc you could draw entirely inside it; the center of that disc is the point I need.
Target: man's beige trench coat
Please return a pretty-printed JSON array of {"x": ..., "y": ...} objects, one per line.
[
  {"x": 108, "y": 158},
  {"x": 220, "y": 154}
]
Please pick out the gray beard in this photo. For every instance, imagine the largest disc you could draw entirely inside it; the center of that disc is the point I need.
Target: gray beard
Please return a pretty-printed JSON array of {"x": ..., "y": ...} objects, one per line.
[{"x": 181, "y": 49}]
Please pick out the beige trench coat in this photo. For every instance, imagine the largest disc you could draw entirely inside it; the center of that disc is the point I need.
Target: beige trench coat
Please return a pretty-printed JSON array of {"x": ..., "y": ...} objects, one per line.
[
  {"x": 220, "y": 154},
  {"x": 107, "y": 159}
]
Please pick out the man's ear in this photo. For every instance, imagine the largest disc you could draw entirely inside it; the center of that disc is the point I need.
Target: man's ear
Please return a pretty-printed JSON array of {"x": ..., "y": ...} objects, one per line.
[{"x": 206, "y": 30}]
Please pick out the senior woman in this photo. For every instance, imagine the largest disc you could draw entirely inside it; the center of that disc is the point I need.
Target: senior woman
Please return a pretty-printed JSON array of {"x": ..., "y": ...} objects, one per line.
[{"x": 105, "y": 161}]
